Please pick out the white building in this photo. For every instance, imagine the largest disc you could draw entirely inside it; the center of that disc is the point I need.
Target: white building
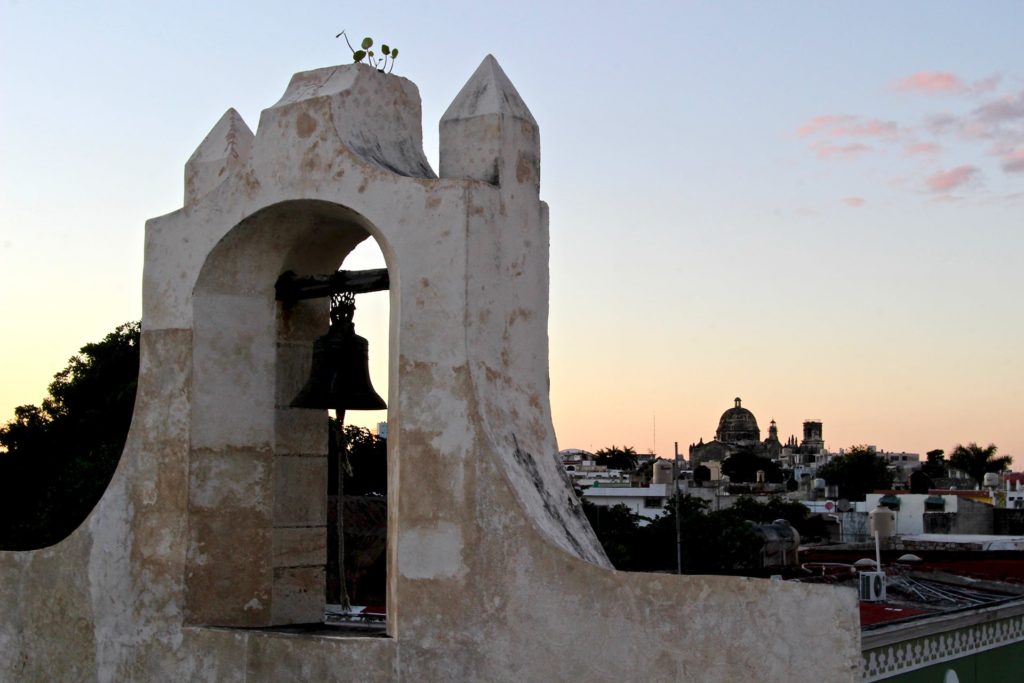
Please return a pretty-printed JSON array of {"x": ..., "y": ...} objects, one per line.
[
  {"x": 584, "y": 472},
  {"x": 646, "y": 501},
  {"x": 911, "y": 508}
]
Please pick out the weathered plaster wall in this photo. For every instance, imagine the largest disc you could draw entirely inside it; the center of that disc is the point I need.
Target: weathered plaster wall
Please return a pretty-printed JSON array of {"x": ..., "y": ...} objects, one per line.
[
  {"x": 967, "y": 517},
  {"x": 213, "y": 514},
  {"x": 1008, "y": 522}
]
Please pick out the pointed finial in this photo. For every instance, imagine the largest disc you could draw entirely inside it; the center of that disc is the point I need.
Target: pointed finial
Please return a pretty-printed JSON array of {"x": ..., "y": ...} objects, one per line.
[
  {"x": 488, "y": 132},
  {"x": 224, "y": 149},
  {"x": 488, "y": 91}
]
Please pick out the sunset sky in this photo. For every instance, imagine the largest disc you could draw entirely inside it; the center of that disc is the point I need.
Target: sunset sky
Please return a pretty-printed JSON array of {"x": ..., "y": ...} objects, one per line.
[{"x": 818, "y": 207}]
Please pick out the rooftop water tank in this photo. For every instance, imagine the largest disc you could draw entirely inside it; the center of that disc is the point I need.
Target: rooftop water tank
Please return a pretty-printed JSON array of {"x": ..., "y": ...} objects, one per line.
[
  {"x": 662, "y": 472},
  {"x": 882, "y": 520}
]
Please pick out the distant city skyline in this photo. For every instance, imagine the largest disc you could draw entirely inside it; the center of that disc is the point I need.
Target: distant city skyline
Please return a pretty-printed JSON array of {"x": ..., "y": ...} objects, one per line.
[{"x": 817, "y": 208}]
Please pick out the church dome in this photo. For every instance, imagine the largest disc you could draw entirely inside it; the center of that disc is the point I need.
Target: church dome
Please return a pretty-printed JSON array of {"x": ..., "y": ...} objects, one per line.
[{"x": 738, "y": 425}]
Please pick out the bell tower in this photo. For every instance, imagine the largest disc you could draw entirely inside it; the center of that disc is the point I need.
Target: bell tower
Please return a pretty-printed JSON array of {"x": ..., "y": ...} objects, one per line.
[{"x": 205, "y": 557}]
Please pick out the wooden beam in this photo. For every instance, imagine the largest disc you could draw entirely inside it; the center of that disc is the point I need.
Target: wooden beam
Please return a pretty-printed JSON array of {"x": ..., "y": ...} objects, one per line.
[{"x": 291, "y": 287}]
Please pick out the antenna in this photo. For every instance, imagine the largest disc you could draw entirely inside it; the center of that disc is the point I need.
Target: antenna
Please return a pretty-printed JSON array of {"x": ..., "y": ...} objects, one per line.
[{"x": 654, "y": 432}]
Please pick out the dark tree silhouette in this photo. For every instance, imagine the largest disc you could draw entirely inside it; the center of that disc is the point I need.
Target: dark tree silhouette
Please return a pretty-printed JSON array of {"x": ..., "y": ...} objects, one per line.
[
  {"x": 920, "y": 482},
  {"x": 362, "y": 457},
  {"x": 57, "y": 459},
  {"x": 935, "y": 465},
  {"x": 797, "y": 514},
  {"x": 366, "y": 467},
  {"x": 743, "y": 465},
  {"x": 977, "y": 461},
  {"x": 615, "y": 458},
  {"x": 617, "y": 528},
  {"x": 713, "y": 542},
  {"x": 857, "y": 473}
]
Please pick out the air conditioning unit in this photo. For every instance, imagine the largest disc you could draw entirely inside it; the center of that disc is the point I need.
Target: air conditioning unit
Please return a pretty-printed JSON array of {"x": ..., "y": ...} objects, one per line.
[{"x": 872, "y": 586}]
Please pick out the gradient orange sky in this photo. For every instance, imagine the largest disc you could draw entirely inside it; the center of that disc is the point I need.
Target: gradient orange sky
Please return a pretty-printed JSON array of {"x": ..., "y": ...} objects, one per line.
[{"x": 818, "y": 209}]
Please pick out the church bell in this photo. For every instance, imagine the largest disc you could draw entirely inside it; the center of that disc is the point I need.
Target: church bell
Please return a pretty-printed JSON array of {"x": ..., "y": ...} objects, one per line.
[{"x": 340, "y": 375}]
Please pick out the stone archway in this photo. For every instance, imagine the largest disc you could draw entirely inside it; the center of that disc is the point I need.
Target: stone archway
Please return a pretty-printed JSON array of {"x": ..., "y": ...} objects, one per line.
[{"x": 257, "y": 468}]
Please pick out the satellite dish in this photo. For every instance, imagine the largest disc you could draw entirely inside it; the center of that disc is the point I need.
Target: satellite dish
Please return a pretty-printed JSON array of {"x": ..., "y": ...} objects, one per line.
[{"x": 843, "y": 505}]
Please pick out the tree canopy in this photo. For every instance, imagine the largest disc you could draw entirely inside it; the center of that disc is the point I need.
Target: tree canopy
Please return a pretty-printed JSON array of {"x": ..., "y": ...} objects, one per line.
[
  {"x": 796, "y": 513},
  {"x": 365, "y": 464},
  {"x": 935, "y": 464},
  {"x": 362, "y": 457},
  {"x": 615, "y": 458},
  {"x": 617, "y": 528},
  {"x": 57, "y": 459},
  {"x": 857, "y": 473},
  {"x": 920, "y": 482},
  {"x": 713, "y": 542},
  {"x": 743, "y": 466},
  {"x": 977, "y": 461}
]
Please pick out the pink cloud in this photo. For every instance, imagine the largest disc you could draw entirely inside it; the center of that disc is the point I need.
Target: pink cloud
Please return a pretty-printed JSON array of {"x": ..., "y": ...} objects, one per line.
[
  {"x": 931, "y": 81},
  {"x": 1013, "y": 160},
  {"x": 940, "y": 124},
  {"x": 869, "y": 128},
  {"x": 843, "y": 125},
  {"x": 944, "y": 82},
  {"x": 986, "y": 84},
  {"x": 819, "y": 123},
  {"x": 1000, "y": 120},
  {"x": 855, "y": 202},
  {"x": 922, "y": 148},
  {"x": 1002, "y": 110},
  {"x": 944, "y": 181},
  {"x": 827, "y": 150}
]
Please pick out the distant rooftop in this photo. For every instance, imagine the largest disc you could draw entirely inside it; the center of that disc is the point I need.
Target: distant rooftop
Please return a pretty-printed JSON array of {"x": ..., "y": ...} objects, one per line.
[{"x": 941, "y": 582}]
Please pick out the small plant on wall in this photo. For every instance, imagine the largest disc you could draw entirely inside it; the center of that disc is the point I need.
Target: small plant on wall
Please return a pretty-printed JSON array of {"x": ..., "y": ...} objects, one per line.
[{"x": 387, "y": 56}]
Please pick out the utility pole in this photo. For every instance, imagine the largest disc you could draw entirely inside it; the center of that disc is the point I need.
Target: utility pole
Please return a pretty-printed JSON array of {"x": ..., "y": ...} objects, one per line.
[{"x": 679, "y": 528}]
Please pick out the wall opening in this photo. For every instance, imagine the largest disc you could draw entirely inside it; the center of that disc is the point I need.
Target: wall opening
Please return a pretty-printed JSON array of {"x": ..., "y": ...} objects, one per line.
[
  {"x": 356, "y": 589},
  {"x": 259, "y": 470}
]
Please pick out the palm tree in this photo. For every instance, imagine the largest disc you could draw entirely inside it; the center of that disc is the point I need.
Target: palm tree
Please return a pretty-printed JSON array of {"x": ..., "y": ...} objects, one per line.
[
  {"x": 976, "y": 461},
  {"x": 616, "y": 458}
]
